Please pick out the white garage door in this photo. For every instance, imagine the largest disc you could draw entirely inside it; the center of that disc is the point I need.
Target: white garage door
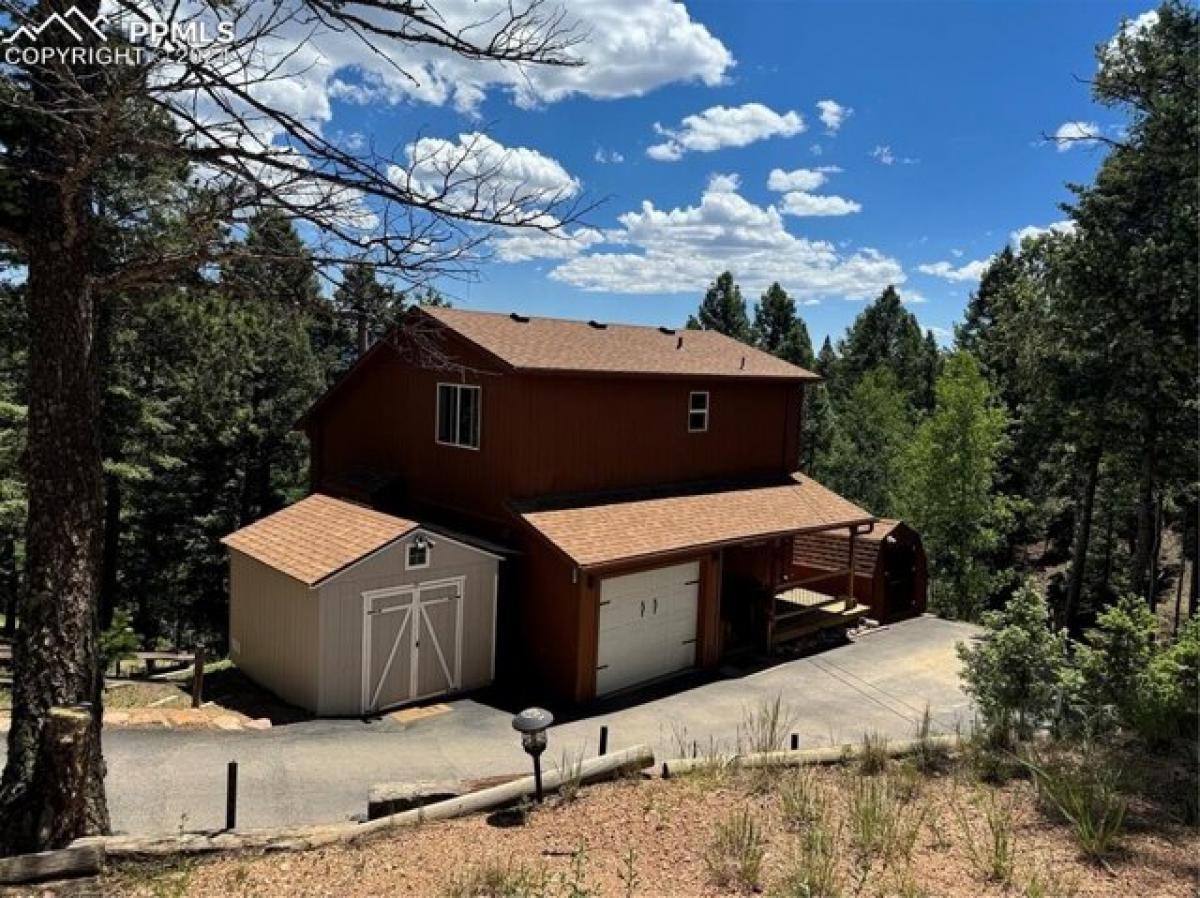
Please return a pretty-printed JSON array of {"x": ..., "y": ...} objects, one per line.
[{"x": 647, "y": 625}]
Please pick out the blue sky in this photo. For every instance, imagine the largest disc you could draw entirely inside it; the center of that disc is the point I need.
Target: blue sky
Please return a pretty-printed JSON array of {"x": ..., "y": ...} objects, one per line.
[{"x": 941, "y": 159}]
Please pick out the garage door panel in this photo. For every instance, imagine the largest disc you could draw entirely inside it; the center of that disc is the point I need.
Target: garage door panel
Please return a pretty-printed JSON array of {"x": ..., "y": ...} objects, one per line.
[
  {"x": 647, "y": 625},
  {"x": 389, "y": 677}
]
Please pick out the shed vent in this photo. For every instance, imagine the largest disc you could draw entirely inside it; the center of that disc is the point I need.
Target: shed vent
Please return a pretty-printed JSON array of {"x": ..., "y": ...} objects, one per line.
[
  {"x": 520, "y": 319},
  {"x": 598, "y": 325}
]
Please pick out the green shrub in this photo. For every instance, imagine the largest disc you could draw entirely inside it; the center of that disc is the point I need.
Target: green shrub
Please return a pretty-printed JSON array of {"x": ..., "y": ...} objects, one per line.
[
  {"x": 873, "y": 754},
  {"x": 801, "y": 798},
  {"x": 736, "y": 854},
  {"x": 1014, "y": 673}
]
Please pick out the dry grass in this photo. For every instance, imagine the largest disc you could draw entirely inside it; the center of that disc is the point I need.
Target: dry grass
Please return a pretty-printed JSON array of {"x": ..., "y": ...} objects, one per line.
[{"x": 656, "y": 837}]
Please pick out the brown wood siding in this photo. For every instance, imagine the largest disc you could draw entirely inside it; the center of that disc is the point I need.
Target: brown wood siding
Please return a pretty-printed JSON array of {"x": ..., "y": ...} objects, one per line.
[
  {"x": 547, "y": 434},
  {"x": 274, "y": 630}
]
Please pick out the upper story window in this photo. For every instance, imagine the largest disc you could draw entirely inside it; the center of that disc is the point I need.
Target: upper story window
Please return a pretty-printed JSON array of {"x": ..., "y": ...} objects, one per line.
[
  {"x": 418, "y": 554},
  {"x": 458, "y": 415},
  {"x": 697, "y": 412}
]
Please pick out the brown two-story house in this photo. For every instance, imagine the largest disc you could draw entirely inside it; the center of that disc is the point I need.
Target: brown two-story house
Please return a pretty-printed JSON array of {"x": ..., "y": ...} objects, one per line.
[{"x": 598, "y": 505}]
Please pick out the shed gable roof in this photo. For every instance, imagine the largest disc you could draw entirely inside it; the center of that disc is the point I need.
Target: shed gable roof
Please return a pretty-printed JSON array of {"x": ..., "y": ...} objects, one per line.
[
  {"x": 563, "y": 345},
  {"x": 593, "y": 535},
  {"x": 317, "y": 537}
]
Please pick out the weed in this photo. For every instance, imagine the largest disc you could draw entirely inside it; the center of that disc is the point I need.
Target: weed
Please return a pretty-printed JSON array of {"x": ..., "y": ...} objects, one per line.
[
  {"x": 736, "y": 854},
  {"x": 571, "y": 768},
  {"x": 881, "y": 824},
  {"x": 812, "y": 872},
  {"x": 928, "y": 756},
  {"x": 993, "y": 855},
  {"x": 493, "y": 879},
  {"x": 906, "y": 781},
  {"x": 628, "y": 873},
  {"x": 1087, "y": 795},
  {"x": 873, "y": 755},
  {"x": 802, "y": 800},
  {"x": 1044, "y": 882},
  {"x": 765, "y": 727},
  {"x": 575, "y": 879}
]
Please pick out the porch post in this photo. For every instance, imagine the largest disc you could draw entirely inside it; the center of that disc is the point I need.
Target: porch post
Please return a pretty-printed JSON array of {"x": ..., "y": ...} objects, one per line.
[{"x": 850, "y": 600}]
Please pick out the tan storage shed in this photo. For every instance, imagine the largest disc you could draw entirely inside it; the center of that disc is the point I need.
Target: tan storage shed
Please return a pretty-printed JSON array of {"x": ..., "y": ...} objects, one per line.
[{"x": 343, "y": 610}]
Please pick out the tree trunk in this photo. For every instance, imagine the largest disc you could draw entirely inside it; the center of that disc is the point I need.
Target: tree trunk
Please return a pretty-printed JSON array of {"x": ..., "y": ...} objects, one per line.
[
  {"x": 1139, "y": 578},
  {"x": 10, "y": 585},
  {"x": 52, "y": 789},
  {"x": 363, "y": 336},
  {"x": 1082, "y": 535},
  {"x": 111, "y": 552}
]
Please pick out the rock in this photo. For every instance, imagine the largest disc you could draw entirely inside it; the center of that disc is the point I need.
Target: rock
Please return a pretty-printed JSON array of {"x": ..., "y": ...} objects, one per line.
[
  {"x": 227, "y": 722},
  {"x": 258, "y": 723},
  {"x": 385, "y": 799}
]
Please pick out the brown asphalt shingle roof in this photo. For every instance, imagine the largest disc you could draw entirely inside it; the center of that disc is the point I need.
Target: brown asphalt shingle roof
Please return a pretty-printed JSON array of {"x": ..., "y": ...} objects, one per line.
[
  {"x": 599, "y": 534},
  {"x": 317, "y": 537},
  {"x": 557, "y": 344}
]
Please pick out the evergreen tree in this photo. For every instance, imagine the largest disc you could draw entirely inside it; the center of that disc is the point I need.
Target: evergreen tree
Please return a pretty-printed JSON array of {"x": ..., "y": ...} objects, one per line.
[
  {"x": 13, "y": 414},
  {"x": 886, "y": 334},
  {"x": 946, "y": 488},
  {"x": 723, "y": 310},
  {"x": 864, "y": 457},
  {"x": 366, "y": 308},
  {"x": 779, "y": 330},
  {"x": 818, "y": 430}
]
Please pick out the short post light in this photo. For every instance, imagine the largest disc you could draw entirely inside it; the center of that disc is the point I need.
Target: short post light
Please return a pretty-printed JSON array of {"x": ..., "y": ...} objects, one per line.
[{"x": 532, "y": 724}]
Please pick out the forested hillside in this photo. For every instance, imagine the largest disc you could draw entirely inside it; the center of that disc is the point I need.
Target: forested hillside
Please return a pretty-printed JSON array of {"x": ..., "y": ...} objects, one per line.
[{"x": 1056, "y": 436}]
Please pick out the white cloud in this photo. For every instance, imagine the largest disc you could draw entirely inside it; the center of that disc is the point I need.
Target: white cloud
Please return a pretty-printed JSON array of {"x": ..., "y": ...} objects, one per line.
[
  {"x": 969, "y": 271},
  {"x": 1019, "y": 236},
  {"x": 797, "y": 179},
  {"x": 800, "y": 203},
  {"x": 480, "y": 173},
  {"x": 723, "y": 126},
  {"x": 816, "y": 149},
  {"x": 1071, "y": 133},
  {"x": 536, "y": 245},
  {"x": 883, "y": 154},
  {"x": 911, "y": 297},
  {"x": 607, "y": 157},
  {"x": 661, "y": 251},
  {"x": 833, "y": 115}
]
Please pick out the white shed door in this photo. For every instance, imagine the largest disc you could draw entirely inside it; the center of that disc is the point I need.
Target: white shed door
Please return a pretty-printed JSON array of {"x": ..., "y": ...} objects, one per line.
[
  {"x": 412, "y": 636},
  {"x": 647, "y": 625}
]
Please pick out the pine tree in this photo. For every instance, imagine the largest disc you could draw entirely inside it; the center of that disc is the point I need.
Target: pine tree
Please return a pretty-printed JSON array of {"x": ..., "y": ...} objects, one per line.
[
  {"x": 365, "y": 309},
  {"x": 779, "y": 330},
  {"x": 13, "y": 415},
  {"x": 886, "y": 334},
  {"x": 873, "y": 427},
  {"x": 723, "y": 310}
]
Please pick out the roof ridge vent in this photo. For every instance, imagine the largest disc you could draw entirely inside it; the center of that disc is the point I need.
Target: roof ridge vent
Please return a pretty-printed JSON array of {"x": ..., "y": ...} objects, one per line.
[
  {"x": 598, "y": 325},
  {"x": 679, "y": 343},
  {"x": 520, "y": 319},
  {"x": 669, "y": 331},
  {"x": 743, "y": 365}
]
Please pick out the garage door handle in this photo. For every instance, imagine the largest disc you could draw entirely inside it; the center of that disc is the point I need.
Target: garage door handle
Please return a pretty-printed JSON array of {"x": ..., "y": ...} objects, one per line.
[
  {"x": 643, "y": 608},
  {"x": 602, "y": 667},
  {"x": 656, "y": 606}
]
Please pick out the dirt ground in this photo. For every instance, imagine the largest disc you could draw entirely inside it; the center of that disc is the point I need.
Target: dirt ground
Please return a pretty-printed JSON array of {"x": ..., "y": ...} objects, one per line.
[{"x": 656, "y": 837}]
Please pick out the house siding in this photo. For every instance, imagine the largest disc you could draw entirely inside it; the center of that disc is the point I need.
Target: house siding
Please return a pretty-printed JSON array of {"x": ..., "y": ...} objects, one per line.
[
  {"x": 341, "y": 616},
  {"x": 274, "y": 630}
]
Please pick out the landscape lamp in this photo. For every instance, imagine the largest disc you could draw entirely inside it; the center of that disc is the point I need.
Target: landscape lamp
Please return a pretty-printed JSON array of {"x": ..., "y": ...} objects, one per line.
[{"x": 532, "y": 724}]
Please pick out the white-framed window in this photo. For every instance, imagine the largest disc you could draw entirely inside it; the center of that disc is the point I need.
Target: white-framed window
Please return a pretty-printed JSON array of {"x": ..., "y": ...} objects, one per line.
[
  {"x": 697, "y": 411},
  {"x": 416, "y": 554},
  {"x": 458, "y": 413}
]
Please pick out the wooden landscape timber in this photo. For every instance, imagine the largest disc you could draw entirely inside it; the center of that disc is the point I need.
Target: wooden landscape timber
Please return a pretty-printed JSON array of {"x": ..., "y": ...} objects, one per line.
[
  {"x": 65, "y": 863},
  {"x": 618, "y": 763},
  {"x": 833, "y": 754}
]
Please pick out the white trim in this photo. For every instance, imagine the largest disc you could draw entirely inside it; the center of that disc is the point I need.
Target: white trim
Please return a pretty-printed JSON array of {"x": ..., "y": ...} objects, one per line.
[
  {"x": 495, "y": 602},
  {"x": 433, "y": 535},
  {"x": 437, "y": 415},
  {"x": 410, "y": 545},
  {"x": 698, "y": 411}
]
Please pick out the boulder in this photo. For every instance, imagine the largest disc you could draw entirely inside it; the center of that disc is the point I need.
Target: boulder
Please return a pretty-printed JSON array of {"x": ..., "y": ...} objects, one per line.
[{"x": 385, "y": 799}]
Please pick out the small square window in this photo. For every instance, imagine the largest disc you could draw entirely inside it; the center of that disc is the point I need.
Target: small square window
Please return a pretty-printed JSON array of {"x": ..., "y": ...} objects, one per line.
[
  {"x": 697, "y": 412},
  {"x": 417, "y": 554}
]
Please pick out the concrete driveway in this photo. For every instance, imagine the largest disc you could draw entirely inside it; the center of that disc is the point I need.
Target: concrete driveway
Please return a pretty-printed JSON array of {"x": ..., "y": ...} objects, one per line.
[{"x": 319, "y": 771}]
